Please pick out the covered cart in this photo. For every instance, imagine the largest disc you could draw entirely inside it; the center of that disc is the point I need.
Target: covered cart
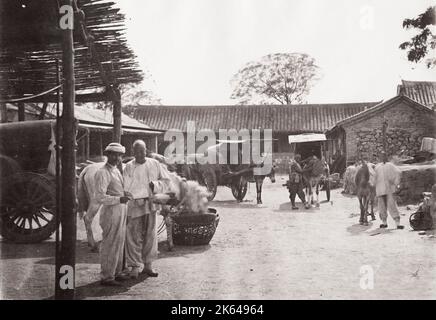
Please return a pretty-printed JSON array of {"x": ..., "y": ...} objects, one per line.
[{"x": 309, "y": 144}]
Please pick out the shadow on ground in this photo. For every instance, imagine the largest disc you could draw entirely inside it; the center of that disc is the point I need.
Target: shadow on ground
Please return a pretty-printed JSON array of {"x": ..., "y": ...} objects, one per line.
[
  {"x": 180, "y": 251},
  {"x": 246, "y": 204},
  {"x": 357, "y": 228},
  {"x": 9, "y": 250}
]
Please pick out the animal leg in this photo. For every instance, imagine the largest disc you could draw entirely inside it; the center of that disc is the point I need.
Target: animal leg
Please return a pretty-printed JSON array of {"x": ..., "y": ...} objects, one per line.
[
  {"x": 259, "y": 190},
  {"x": 372, "y": 208},
  {"x": 365, "y": 210},
  {"x": 317, "y": 195},
  {"x": 360, "y": 208},
  {"x": 87, "y": 219},
  {"x": 169, "y": 227}
]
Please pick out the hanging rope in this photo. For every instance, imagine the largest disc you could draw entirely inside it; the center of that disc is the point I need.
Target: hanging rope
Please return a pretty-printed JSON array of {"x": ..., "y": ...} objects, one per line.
[{"x": 31, "y": 97}]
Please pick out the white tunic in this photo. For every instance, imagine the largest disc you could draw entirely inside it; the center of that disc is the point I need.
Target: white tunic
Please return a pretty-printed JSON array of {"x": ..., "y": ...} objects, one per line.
[
  {"x": 137, "y": 178},
  {"x": 387, "y": 177}
]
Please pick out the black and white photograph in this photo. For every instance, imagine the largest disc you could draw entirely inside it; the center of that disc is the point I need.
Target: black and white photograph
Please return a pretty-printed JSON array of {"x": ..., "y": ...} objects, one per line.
[{"x": 238, "y": 151}]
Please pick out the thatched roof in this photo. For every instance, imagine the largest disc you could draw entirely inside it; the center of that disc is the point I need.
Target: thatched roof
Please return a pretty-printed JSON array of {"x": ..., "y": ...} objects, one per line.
[{"x": 30, "y": 42}]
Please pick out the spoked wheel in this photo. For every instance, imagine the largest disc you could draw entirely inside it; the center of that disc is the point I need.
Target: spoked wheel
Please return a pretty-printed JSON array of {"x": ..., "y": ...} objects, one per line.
[
  {"x": 27, "y": 208},
  {"x": 239, "y": 188},
  {"x": 421, "y": 221},
  {"x": 161, "y": 228},
  {"x": 208, "y": 178}
]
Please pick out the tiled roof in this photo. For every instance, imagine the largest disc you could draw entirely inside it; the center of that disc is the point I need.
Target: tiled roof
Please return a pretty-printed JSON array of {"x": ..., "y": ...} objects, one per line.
[
  {"x": 423, "y": 92},
  {"x": 100, "y": 116},
  {"x": 289, "y": 118},
  {"x": 383, "y": 105}
]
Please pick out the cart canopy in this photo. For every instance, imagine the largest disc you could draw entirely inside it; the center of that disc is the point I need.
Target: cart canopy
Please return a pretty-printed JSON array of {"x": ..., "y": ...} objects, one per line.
[{"x": 306, "y": 137}]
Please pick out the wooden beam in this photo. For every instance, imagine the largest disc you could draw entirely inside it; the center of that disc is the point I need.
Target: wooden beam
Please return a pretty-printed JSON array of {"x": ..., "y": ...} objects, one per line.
[
  {"x": 3, "y": 113},
  {"x": 43, "y": 111},
  {"x": 21, "y": 112},
  {"x": 117, "y": 131},
  {"x": 80, "y": 98},
  {"x": 67, "y": 254}
]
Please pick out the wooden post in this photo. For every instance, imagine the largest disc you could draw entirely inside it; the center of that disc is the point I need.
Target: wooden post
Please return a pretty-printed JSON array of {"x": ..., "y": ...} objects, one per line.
[
  {"x": 43, "y": 111},
  {"x": 116, "y": 137},
  {"x": 3, "y": 112},
  {"x": 21, "y": 112},
  {"x": 67, "y": 254}
]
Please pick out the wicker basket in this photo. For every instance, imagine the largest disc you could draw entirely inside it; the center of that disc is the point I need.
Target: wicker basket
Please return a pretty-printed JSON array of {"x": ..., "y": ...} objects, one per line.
[{"x": 195, "y": 230}]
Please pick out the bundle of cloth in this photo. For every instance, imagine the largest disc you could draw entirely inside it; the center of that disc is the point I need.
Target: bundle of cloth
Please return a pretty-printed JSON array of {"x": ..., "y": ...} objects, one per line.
[
  {"x": 349, "y": 179},
  {"x": 188, "y": 196}
]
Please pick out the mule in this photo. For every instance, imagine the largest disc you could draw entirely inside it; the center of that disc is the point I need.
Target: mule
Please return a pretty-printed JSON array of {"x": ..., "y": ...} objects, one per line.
[
  {"x": 258, "y": 179},
  {"x": 364, "y": 181},
  {"x": 315, "y": 170}
]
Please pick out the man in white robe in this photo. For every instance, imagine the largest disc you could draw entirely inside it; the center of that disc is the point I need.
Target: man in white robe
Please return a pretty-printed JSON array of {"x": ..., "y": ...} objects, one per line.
[
  {"x": 387, "y": 180},
  {"x": 141, "y": 239},
  {"x": 110, "y": 194}
]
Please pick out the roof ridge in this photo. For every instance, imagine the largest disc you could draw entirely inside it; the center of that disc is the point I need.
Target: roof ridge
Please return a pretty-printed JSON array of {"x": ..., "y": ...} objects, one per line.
[{"x": 260, "y": 105}]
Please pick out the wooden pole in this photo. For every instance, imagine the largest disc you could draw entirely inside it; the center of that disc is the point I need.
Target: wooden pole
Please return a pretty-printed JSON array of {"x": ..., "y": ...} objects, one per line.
[
  {"x": 21, "y": 112},
  {"x": 4, "y": 112},
  {"x": 116, "y": 137},
  {"x": 65, "y": 289}
]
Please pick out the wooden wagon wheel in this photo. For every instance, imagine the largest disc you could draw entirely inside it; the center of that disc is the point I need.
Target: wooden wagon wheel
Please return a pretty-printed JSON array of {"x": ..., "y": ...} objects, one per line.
[
  {"x": 209, "y": 180},
  {"x": 239, "y": 188},
  {"x": 28, "y": 208}
]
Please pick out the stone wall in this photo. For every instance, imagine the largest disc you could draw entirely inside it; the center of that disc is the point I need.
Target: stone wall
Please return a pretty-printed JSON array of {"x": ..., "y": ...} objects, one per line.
[
  {"x": 406, "y": 128},
  {"x": 415, "y": 179}
]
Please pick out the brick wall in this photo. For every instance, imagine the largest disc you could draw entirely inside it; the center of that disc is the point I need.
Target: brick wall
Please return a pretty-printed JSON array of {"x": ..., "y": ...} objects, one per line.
[{"x": 406, "y": 128}]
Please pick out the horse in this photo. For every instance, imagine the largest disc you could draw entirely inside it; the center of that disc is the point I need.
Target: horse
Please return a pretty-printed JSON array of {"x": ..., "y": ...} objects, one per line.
[
  {"x": 313, "y": 172},
  {"x": 88, "y": 206},
  {"x": 364, "y": 181}
]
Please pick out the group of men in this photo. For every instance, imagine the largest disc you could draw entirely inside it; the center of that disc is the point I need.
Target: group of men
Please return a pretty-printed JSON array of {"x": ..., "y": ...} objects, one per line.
[
  {"x": 127, "y": 216},
  {"x": 386, "y": 180}
]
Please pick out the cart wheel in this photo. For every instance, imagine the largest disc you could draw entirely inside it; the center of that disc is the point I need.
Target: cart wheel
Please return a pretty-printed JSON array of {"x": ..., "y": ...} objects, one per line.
[
  {"x": 27, "y": 208},
  {"x": 327, "y": 188},
  {"x": 239, "y": 188},
  {"x": 420, "y": 221},
  {"x": 208, "y": 178}
]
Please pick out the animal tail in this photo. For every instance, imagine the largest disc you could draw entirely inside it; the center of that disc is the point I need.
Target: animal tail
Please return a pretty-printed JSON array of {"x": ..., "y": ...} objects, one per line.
[{"x": 82, "y": 195}]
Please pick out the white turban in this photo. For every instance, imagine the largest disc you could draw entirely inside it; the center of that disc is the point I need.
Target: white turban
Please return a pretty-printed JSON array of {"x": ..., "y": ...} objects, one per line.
[{"x": 115, "y": 147}]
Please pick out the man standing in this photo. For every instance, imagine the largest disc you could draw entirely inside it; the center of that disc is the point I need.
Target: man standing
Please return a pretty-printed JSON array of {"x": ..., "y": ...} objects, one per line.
[
  {"x": 110, "y": 194},
  {"x": 387, "y": 179},
  {"x": 296, "y": 181},
  {"x": 141, "y": 245}
]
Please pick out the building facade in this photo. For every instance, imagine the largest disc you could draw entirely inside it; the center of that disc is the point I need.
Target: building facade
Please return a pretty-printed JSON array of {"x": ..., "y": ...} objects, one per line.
[{"x": 400, "y": 123}]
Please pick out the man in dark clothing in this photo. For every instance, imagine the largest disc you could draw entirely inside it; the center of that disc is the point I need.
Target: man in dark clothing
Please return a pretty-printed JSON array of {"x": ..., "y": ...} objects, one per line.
[{"x": 295, "y": 184}]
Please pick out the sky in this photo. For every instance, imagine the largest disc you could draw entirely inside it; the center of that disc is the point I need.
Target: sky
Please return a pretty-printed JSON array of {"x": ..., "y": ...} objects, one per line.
[{"x": 192, "y": 48}]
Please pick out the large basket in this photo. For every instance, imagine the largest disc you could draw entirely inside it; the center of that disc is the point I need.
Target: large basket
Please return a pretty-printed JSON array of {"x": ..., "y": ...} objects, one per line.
[{"x": 195, "y": 230}]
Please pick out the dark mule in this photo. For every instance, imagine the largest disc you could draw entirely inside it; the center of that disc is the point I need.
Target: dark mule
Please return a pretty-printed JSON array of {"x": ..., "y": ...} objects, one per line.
[
  {"x": 259, "y": 182},
  {"x": 364, "y": 181}
]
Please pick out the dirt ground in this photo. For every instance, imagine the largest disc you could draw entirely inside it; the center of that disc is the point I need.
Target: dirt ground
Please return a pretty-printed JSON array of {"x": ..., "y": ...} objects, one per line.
[{"x": 258, "y": 252}]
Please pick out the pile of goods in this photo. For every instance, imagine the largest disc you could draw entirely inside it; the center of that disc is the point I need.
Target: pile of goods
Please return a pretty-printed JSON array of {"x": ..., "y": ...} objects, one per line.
[{"x": 185, "y": 203}]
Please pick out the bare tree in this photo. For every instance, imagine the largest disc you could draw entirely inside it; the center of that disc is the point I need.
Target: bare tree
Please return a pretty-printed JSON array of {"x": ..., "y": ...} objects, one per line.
[{"x": 283, "y": 78}]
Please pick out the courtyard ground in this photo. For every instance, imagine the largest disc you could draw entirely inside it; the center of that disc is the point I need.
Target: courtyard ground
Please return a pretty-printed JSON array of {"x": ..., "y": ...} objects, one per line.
[{"x": 258, "y": 252}]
